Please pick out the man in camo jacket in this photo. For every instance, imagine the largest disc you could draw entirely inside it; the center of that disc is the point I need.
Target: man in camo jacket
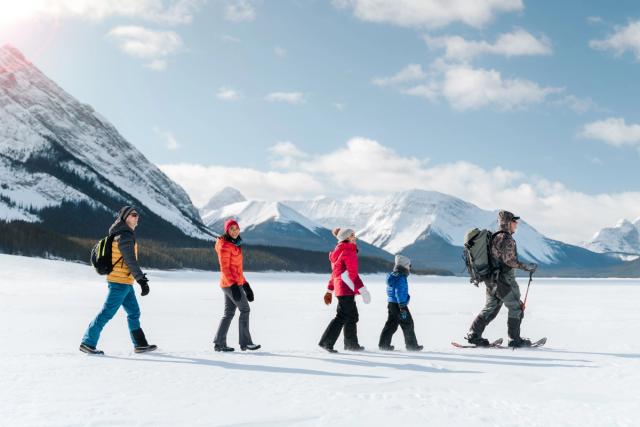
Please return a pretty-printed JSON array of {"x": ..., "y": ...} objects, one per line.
[{"x": 505, "y": 290}]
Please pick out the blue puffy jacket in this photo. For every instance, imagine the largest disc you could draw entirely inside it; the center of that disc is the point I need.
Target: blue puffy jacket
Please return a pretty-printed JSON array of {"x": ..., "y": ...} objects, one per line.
[{"x": 398, "y": 288}]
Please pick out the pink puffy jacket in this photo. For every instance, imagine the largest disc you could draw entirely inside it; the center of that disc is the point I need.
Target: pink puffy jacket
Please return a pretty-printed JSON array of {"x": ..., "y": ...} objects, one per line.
[{"x": 344, "y": 280}]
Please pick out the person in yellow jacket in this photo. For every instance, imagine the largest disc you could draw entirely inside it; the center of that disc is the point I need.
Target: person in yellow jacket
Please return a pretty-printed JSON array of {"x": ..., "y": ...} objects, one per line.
[{"x": 126, "y": 270}]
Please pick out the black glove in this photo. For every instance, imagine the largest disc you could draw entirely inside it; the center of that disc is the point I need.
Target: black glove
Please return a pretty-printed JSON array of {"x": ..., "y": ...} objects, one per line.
[
  {"x": 404, "y": 313},
  {"x": 248, "y": 291},
  {"x": 144, "y": 285},
  {"x": 532, "y": 267},
  {"x": 235, "y": 292}
]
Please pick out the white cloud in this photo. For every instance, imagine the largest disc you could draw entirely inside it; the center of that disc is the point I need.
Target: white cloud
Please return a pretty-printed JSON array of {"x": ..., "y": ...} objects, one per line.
[
  {"x": 147, "y": 44},
  {"x": 469, "y": 88},
  {"x": 280, "y": 52},
  {"x": 578, "y": 104},
  {"x": 624, "y": 39},
  {"x": 240, "y": 11},
  {"x": 201, "y": 182},
  {"x": 516, "y": 43},
  {"x": 410, "y": 73},
  {"x": 613, "y": 131},
  {"x": 364, "y": 167},
  {"x": 165, "y": 12},
  {"x": 168, "y": 139},
  {"x": 429, "y": 13},
  {"x": 293, "y": 98},
  {"x": 227, "y": 94},
  {"x": 594, "y": 19},
  {"x": 285, "y": 154},
  {"x": 230, "y": 39}
]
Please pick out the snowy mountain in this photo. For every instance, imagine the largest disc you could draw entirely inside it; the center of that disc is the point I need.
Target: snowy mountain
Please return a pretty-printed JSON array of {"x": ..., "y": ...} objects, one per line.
[
  {"x": 62, "y": 162},
  {"x": 276, "y": 224},
  {"x": 429, "y": 227},
  {"x": 222, "y": 198},
  {"x": 621, "y": 240}
]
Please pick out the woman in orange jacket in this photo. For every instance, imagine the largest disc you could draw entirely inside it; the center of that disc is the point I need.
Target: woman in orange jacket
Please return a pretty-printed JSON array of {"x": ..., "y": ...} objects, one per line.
[{"x": 236, "y": 289}]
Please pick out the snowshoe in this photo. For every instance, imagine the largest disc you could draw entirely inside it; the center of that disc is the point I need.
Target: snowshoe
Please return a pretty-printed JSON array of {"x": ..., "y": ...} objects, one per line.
[
  {"x": 355, "y": 348},
  {"x": 477, "y": 340},
  {"x": 250, "y": 347},
  {"x": 519, "y": 342},
  {"x": 223, "y": 348},
  {"x": 89, "y": 349},
  {"x": 496, "y": 344},
  {"x": 416, "y": 348},
  {"x": 387, "y": 348}
]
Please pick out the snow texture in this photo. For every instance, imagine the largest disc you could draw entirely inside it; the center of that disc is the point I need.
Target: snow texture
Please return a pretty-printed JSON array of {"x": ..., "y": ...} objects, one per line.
[
  {"x": 622, "y": 240},
  {"x": 588, "y": 375}
]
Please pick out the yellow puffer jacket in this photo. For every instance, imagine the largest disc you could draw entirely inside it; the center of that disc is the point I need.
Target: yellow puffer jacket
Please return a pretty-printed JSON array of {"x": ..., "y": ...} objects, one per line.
[{"x": 121, "y": 272}]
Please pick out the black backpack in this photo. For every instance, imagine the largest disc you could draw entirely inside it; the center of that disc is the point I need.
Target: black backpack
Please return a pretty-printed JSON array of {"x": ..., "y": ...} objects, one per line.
[{"x": 101, "y": 255}]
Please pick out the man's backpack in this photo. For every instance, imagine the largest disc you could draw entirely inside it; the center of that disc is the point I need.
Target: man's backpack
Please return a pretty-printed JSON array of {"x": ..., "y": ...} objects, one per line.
[
  {"x": 477, "y": 256},
  {"x": 101, "y": 255}
]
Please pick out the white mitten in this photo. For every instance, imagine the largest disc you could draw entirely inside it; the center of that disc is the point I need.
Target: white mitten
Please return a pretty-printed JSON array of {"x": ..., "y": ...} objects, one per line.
[{"x": 366, "y": 296}]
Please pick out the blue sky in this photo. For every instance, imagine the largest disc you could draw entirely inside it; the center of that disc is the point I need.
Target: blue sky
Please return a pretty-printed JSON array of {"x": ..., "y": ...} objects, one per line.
[{"x": 299, "y": 98}]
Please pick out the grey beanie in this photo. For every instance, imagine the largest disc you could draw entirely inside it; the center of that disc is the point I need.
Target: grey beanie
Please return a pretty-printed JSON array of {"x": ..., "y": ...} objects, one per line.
[
  {"x": 403, "y": 261},
  {"x": 343, "y": 234}
]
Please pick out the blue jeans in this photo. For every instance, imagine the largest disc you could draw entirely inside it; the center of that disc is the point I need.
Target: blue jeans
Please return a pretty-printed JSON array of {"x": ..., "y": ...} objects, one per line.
[{"x": 119, "y": 295}]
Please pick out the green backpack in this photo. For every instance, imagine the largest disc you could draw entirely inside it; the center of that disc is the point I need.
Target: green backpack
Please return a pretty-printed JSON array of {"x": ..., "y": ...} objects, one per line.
[{"x": 477, "y": 256}]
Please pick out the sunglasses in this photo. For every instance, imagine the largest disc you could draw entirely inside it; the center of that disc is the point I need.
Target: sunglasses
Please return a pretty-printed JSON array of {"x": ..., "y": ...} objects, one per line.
[{"x": 134, "y": 214}]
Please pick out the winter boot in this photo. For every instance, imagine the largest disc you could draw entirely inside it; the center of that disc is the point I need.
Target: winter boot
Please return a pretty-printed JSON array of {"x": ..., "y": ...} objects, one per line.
[
  {"x": 250, "y": 347},
  {"x": 89, "y": 349},
  {"x": 515, "y": 341},
  {"x": 415, "y": 348},
  {"x": 386, "y": 348},
  {"x": 475, "y": 339},
  {"x": 223, "y": 348},
  {"x": 354, "y": 348},
  {"x": 141, "y": 344},
  {"x": 329, "y": 349}
]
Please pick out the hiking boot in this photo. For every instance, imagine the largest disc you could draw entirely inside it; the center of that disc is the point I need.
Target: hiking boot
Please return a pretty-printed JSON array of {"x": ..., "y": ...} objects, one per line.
[
  {"x": 89, "y": 349},
  {"x": 144, "y": 348},
  {"x": 477, "y": 340},
  {"x": 520, "y": 342},
  {"x": 250, "y": 347},
  {"x": 415, "y": 348},
  {"x": 223, "y": 348},
  {"x": 386, "y": 348},
  {"x": 355, "y": 348}
]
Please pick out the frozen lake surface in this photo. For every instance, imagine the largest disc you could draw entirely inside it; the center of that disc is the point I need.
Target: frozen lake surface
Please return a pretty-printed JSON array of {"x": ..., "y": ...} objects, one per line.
[{"x": 588, "y": 375}]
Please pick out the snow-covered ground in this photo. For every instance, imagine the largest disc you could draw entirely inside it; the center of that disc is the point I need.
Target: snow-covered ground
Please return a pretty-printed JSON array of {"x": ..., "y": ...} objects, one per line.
[{"x": 588, "y": 375}]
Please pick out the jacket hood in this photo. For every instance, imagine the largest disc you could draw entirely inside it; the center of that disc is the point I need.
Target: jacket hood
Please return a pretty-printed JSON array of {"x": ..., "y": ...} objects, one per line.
[
  {"x": 504, "y": 220},
  {"x": 341, "y": 248},
  {"x": 119, "y": 226}
]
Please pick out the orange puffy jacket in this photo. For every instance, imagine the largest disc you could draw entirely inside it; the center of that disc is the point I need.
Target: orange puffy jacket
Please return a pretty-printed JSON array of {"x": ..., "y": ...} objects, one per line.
[{"x": 230, "y": 259}]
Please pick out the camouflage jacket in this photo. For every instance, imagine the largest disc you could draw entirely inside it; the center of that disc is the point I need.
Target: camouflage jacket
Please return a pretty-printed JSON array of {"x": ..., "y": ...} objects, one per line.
[{"x": 503, "y": 246}]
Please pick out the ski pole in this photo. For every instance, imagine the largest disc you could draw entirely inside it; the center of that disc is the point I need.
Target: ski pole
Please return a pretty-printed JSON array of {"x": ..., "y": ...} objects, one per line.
[{"x": 526, "y": 295}]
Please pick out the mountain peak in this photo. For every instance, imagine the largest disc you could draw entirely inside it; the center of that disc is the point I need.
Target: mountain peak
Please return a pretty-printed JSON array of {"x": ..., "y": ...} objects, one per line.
[{"x": 222, "y": 198}]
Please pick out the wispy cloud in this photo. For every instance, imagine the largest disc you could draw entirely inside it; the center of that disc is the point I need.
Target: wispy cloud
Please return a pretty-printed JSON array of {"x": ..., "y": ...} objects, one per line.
[
  {"x": 280, "y": 52},
  {"x": 516, "y": 43},
  {"x": 227, "y": 94},
  {"x": 169, "y": 140},
  {"x": 293, "y": 98},
  {"x": 410, "y": 73},
  {"x": 154, "y": 46},
  {"x": 613, "y": 131},
  {"x": 240, "y": 11},
  {"x": 624, "y": 39},
  {"x": 429, "y": 13}
]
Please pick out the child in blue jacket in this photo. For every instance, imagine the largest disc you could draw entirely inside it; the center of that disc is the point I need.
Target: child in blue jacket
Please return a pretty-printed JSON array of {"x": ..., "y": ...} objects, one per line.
[{"x": 399, "y": 315}]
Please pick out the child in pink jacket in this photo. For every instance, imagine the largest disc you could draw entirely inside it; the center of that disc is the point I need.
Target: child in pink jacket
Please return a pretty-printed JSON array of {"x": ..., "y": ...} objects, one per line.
[{"x": 346, "y": 284}]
